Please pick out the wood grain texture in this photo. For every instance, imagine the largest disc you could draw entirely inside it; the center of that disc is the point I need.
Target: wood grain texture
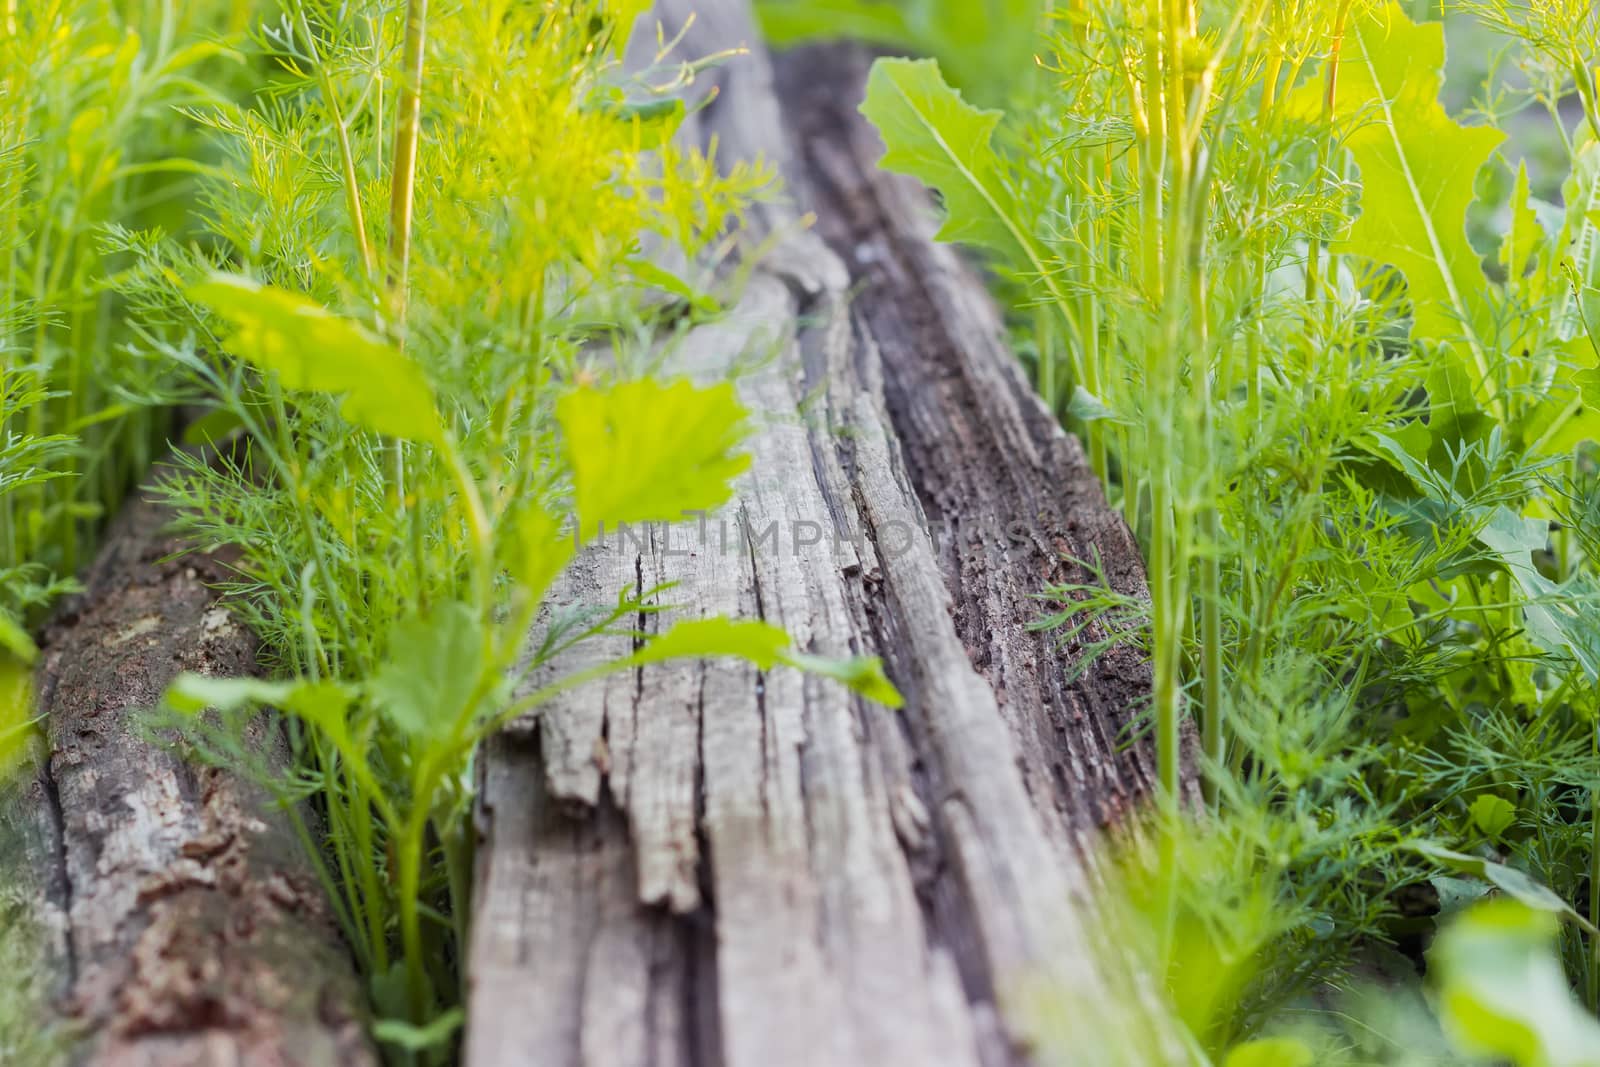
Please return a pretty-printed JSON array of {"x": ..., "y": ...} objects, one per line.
[
  {"x": 710, "y": 865},
  {"x": 189, "y": 927}
]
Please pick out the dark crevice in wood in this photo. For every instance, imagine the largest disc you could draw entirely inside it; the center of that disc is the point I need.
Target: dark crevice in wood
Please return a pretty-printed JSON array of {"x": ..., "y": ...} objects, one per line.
[
  {"x": 949, "y": 922},
  {"x": 697, "y": 940},
  {"x": 58, "y": 882},
  {"x": 760, "y": 697}
]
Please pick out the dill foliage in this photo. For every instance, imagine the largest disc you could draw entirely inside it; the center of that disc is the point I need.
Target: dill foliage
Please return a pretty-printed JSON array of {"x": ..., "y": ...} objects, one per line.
[
  {"x": 1359, "y": 451},
  {"x": 87, "y": 92}
]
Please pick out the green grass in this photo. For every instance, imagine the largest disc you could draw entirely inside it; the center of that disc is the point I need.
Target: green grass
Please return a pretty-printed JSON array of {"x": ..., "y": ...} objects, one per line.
[
  {"x": 1360, "y": 462},
  {"x": 90, "y": 137}
]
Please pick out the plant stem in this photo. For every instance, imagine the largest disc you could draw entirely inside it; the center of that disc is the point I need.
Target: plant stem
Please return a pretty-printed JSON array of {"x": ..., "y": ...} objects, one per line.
[
  {"x": 478, "y": 525},
  {"x": 457, "y": 843},
  {"x": 402, "y": 200},
  {"x": 1163, "y": 185},
  {"x": 347, "y": 158},
  {"x": 340, "y": 902},
  {"x": 288, "y": 470},
  {"x": 1594, "y": 884},
  {"x": 1168, "y": 638},
  {"x": 407, "y": 133},
  {"x": 1047, "y": 359},
  {"x": 1088, "y": 339},
  {"x": 371, "y": 892},
  {"x": 408, "y": 890},
  {"x": 1325, "y": 147},
  {"x": 1209, "y": 528}
]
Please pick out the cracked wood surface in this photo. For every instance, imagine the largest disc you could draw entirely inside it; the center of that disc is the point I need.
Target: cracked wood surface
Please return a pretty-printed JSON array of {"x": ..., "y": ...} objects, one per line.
[
  {"x": 708, "y": 865},
  {"x": 187, "y": 926}
]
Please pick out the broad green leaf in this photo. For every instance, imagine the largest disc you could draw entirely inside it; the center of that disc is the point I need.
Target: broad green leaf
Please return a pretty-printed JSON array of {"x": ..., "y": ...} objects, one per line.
[
  {"x": 1513, "y": 537},
  {"x": 1588, "y": 383},
  {"x": 1270, "y": 1052},
  {"x": 1418, "y": 168},
  {"x": 1493, "y": 815},
  {"x": 1457, "y": 894},
  {"x": 431, "y": 672},
  {"x": 653, "y": 121},
  {"x": 987, "y": 46},
  {"x": 623, "y": 14},
  {"x": 646, "y": 451},
  {"x": 1510, "y": 881},
  {"x": 190, "y": 694},
  {"x": 756, "y": 642},
  {"x": 410, "y": 1037},
  {"x": 212, "y": 427},
  {"x": 1558, "y": 621},
  {"x": 1524, "y": 236},
  {"x": 787, "y": 22},
  {"x": 1554, "y": 620},
  {"x": 538, "y": 551},
  {"x": 1454, "y": 415},
  {"x": 322, "y": 705},
  {"x": 766, "y": 646},
  {"x": 310, "y": 348},
  {"x": 1086, "y": 407},
  {"x": 1502, "y": 993},
  {"x": 17, "y": 716},
  {"x": 389, "y": 993},
  {"x": 1575, "y": 428},
  {"x": 657, "y": 277},
  {"x": 1410, "y": 458},
  {"x": 935, "y": 136},
  {"x": 1572, "y": 266},
  {"x": 862, "y": 674},
  {"x": 316, "y": 702},
  {"x": 1567, "y": 281},
  {"x": 15, "y": 640}
]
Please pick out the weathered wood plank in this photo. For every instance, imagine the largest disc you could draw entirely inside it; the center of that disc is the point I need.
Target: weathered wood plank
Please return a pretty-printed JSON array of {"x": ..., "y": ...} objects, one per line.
[
  {"x": 193, "y": 933},
  {"x": 810, "y": 878},
  {"x": 615, "y": 979},
  {"x": 574, "y": 744},
  {"x": 1008, "y": 492}
]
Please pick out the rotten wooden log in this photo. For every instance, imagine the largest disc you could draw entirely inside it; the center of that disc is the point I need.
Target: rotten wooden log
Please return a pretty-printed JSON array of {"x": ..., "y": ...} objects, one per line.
[
  {"x": 708, "y": 865},
  {"x": 186, "y": 922}
]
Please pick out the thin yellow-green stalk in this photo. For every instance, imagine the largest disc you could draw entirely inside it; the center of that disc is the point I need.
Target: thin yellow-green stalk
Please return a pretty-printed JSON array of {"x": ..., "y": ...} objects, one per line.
[{"x": 407, "y": 135}]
